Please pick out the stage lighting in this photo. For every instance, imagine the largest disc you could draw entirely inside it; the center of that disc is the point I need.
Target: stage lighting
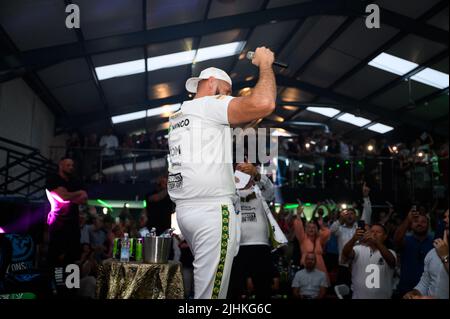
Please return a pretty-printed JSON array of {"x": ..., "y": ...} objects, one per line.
[
  {"x": 370, "y": 147},
  {"x": 307, "y": 145},
  {"x": 105, "y": 210}
]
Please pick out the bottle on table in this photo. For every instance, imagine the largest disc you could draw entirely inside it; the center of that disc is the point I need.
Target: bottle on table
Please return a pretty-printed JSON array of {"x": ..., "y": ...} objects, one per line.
[
  {"x": 125, "y": 251},
  {"x": 168, "y": 233}
]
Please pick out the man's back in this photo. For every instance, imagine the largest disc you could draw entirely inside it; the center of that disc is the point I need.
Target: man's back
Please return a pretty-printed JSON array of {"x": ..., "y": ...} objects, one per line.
[{"x": 200, "y": 148}]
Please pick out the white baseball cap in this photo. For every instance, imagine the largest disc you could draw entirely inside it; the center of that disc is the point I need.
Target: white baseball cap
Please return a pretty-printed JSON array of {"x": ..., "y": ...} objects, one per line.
[{"x": 192, "y": 83}]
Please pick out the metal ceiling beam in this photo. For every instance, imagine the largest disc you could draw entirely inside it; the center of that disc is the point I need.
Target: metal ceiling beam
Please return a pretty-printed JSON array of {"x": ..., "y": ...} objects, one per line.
[
  {"x": 396, "y": 39},
  {"x": 335, "y": 35},
  {"x": 88, "y": 58},
  {"x": 144, "y": 27},
  {"x": 423, "y": 100},
  {"x": 386, "y": 46},
  {"x": 249, "y": 34},
  {"x": 47, "y": 56},
  {"x": 29, "y": 76},
  {"x": 401, "y": 79},
  {"x": 346, "y": 104},
  {"x": 351, "y": 105}
]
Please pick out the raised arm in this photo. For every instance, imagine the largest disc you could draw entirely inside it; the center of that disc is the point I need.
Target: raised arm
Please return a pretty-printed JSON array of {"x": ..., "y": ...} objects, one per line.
[
  {"x": 324, "y": 232},
  {"x": 261, "y": 102},
  {"x": 387, "y": 255},
  {"x": 400, "y": 233},
  {"x": 347, "y": 251},
  {"x": 367, "y": 206},
  {"x": 298, "y": 225}
]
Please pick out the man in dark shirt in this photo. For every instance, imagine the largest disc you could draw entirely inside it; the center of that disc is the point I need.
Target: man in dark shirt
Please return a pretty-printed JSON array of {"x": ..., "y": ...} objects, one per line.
[
  {"x": 413, "y": 248},
  {"x": 65, "y": 194},
  {"x": 159, "y": 208}
]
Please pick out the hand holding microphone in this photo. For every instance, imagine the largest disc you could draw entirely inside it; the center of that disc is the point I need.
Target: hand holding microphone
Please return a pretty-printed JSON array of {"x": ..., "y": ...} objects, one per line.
[{"x": 264, "y": 57}]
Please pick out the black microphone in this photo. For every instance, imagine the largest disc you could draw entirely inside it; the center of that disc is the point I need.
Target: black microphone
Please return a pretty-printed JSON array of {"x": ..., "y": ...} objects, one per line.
[{"x": 250, "y": 55}]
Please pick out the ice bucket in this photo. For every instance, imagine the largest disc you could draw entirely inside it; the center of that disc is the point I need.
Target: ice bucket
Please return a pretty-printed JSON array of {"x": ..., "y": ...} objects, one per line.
[{"x": 157, "y": 249}]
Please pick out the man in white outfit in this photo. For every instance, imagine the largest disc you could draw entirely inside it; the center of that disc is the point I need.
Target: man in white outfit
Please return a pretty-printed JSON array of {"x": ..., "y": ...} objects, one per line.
[
  {"x": 254, "y": 259},
  {"x": 201, "y": 181}
]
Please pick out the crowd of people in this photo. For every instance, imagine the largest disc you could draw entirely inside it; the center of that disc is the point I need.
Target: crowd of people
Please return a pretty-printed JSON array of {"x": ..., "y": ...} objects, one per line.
[
  {"x": 327, "y": 254},
  {"x": 409, "y": 251},
  {"x": 93, "y": 154},
  {"x": 109, "y": 141}
]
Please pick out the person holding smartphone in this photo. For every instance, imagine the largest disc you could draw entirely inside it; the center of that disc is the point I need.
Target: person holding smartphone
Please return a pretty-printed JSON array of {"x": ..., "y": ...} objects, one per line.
[
  {"x": 370, "y": 257},
  {"x": 344, "y": 229}
]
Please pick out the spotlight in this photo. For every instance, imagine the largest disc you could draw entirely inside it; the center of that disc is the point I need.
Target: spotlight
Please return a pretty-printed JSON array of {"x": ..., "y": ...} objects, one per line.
[
  {"x": 105, "y": 210},
  {"x": 127, "y": 205},
  {"x": 395, "y": 148},
  {"x": 344, "y": 206},
  {"x": 370, "y": 147},
  {"x": 307, "y": 145},
  {"x": 420, "y": 154}
]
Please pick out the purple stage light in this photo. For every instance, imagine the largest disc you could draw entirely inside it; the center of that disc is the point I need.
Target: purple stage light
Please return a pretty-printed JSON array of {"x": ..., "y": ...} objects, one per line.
[{"x": 56, "y": 205}]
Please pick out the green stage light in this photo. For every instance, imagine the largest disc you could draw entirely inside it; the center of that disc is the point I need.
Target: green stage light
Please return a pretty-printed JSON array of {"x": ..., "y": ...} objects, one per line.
[{"x": 105, "y": 204}]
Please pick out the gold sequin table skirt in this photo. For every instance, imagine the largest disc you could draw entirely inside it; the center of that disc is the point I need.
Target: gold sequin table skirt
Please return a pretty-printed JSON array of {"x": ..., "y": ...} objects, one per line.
[{"x": 136, "y": 280}]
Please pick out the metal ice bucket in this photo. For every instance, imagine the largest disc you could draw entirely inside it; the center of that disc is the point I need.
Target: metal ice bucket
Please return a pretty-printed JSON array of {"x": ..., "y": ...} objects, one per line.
[{"x": 157, "y": 249}]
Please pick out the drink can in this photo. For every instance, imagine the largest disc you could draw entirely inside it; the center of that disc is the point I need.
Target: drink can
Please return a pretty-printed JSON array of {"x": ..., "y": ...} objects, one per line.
[
  {"x": 117, "y": 248},
  {"x": 139, "y": 246},
  {"x": 132, "y": 249}
]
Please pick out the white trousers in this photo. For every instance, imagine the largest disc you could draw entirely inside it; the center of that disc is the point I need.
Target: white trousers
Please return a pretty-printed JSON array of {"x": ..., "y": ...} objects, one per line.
[{"x": 211, "y": 230}]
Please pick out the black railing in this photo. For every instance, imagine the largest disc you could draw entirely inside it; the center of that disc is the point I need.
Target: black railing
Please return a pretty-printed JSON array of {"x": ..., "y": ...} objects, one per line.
[
  {"x": 127, "y": 165},
  {"x": 414, "y": 180},
  {"x": 23, "y": 169}
]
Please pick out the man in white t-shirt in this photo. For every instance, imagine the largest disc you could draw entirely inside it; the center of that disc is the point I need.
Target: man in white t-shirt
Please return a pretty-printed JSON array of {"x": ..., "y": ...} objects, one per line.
[
  {"x": 373, "y": 265},
  {"x": 310, "y": 283},
  {"x": 109, "y": 143},
  {"x": 201, "y": 181},
  {"x": 254, "y": 259}
]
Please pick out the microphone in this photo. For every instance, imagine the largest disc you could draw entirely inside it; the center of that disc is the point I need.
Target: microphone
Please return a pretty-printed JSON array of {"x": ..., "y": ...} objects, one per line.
[{"x": 250, "y": 55}]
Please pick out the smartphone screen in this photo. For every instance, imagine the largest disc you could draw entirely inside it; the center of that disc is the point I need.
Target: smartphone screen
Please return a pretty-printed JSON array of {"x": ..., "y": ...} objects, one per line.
[{"x": 361, "y": 224}]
